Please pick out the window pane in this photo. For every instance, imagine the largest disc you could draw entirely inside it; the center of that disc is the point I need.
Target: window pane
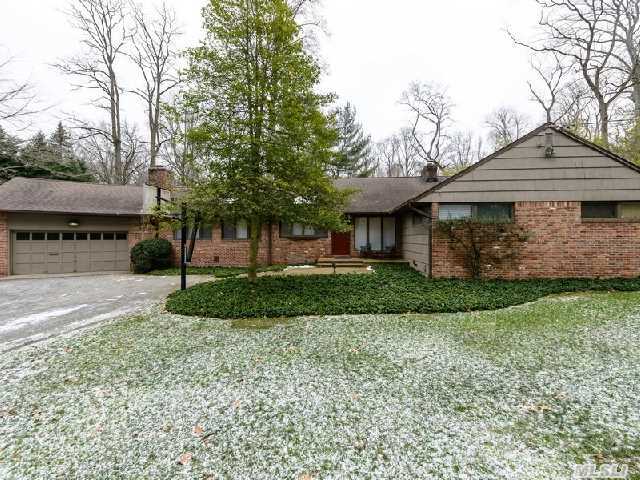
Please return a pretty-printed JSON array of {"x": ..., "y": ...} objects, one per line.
[
  {"x": 37, "y": 236},
  {"x": 68, "y": 236},
  {"x": 495, "y": 211},
  {"x": 389, "y": 236},
  {"x": 95, "y": 236},
  {"x": 452, "y": 211},
  {"x": 205, "y": 232},
  {"x": 375, "y": 233},
  {"x": 361, "y": 232},
  {"x": 297, "y": 230},
  {"x": 121, "y": 236},
  {"x": 629, "y": 210},
  {"x": 108, "y": 236},
  {"x": 228, "y": 231},
  {"x": 285, "y": 230},
  {"x": 23, "y": 236},
  {"x": 81, "y": 236},
  {"x": 53, "y": 236},
  {"x": 242, "y": 230},
  {"x": 309, "y": 231},
  {"x": 599, "y": 210}
]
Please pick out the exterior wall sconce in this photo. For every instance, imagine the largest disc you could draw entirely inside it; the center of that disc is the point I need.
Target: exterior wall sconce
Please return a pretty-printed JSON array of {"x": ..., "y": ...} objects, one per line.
[{"x": 73, "y": 224}]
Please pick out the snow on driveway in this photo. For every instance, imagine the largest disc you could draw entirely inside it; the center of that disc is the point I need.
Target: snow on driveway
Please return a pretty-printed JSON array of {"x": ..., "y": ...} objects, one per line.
[{"x": 35, "y": 309}]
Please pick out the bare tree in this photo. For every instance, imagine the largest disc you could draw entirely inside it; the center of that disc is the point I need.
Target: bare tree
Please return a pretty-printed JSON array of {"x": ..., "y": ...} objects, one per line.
[
  {"x": 177, "y": 152},
  {"x": 387, "y": 151},
  {"x": 409, "y": 160},
  {"x": 155, "y": 54},
  {"x": 586, "y": 32},
  {"x": 554, "y": 80},
  {"x": 95, "y": 149},
  {"x": 506, "y": 125},
  {"x": 463, "y": 150},
  {"x": 628, "y": 35},
  {"x": 105, "y": 36},
  {"x": 431, "y": 108},
  {"x": 17, "y": 98}
]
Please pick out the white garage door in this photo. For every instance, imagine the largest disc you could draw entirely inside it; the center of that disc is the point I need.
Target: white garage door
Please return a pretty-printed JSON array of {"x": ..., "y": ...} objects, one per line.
[{"x": 68, "y": 252}]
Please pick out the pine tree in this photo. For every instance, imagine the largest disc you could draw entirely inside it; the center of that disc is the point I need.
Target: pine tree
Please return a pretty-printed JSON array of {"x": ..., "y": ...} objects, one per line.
[
  {"x": 10, "y": 165},
  {"x": 354, "y": 150}
]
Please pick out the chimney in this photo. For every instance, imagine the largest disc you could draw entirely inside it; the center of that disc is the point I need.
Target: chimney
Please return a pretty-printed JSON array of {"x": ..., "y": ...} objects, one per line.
[
  {"x": 160, "y": 176},
  {"x": 430, "y": 172}
]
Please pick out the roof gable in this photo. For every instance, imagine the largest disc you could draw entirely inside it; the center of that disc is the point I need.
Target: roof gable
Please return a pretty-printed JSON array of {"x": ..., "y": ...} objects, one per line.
[{"x": 578, "y": 171}]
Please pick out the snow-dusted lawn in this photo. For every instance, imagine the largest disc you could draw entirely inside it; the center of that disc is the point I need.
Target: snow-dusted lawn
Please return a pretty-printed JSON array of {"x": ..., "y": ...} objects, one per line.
[{"x": 520, "y": 393}]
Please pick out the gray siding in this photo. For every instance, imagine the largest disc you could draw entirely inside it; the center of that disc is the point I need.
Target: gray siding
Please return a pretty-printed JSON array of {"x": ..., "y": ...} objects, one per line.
[
  {"x": 523, "y": 173},
  {"x": 415, "y": 243}
]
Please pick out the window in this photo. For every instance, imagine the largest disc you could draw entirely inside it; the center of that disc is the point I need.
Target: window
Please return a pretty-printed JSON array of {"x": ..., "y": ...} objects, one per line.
[
  {"x": 108, "y": 236},
  {"x": 121, "y": 236},
  {"x": 81, "y": 236},
  {"x": 481, "y": 211},
  {"x": 204, "y": 233},
  {"x": 23, "y": 236},
  {"x": 37, "y": 236},
  {"x": 53, "y": 236},
  {"x": 235, "y": 231},
  {"x": 68, "y": 236},
  {"x": 376, "y": 234},
  {"x": 610, "y": 210},
  {"x": 95, "y": 236},
  {"x": 297, "y": 230}
]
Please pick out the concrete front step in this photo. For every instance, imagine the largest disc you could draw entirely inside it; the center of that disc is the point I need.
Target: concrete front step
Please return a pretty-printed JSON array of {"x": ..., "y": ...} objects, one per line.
[{"x": 340, "y": 264}]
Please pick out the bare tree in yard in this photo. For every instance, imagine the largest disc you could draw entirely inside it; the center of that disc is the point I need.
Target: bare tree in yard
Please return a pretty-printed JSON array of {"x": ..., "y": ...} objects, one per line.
[
  {"x": 628, "y": 36},
  {"x": 387, "y": 151},
  {"x": 506, "y": 125},
  {"x": 463, "y": 150},
  {"x": 586, "y": 33},
  {"x": 105, "y": 36},
  {"x": 17, "y": 98},
  {"x": 95, "y": 149},
  {"x": 431, "y": 107},
  {"x": 552, "y": 80},
  {"x": 154, "y": 53},
  {"x": 177, "y": 151}
]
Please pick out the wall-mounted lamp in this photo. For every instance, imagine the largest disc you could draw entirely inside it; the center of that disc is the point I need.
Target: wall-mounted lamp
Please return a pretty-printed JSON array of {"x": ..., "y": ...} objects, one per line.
[{"x": 73, "y": 224}]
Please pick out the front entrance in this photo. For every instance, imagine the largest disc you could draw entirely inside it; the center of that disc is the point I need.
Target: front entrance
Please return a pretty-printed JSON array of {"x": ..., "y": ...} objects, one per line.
[
  {"x": 340, "y": 243},
  {"x": 68, "y": 252}
]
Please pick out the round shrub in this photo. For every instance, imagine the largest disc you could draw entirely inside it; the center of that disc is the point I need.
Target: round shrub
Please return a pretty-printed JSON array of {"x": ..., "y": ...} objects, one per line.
[{"x": 153, "y": 254}]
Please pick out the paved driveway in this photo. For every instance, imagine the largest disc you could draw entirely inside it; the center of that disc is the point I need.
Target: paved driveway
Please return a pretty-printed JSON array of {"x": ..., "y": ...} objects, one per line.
[{"x": 35, "y": 309}]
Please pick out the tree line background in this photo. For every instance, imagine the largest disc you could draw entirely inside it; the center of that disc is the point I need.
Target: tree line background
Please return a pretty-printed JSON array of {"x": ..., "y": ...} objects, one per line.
[{"x": 585, "y": 76}]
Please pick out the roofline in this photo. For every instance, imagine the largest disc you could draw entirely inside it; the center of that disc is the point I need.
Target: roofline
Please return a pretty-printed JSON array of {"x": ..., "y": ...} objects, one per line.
[
  {"x": 87, "y": 214},
  {"x": 529, "y": 136}
]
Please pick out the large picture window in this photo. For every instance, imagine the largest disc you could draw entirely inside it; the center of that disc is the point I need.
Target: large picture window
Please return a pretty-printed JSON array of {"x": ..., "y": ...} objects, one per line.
[
  {"x": 480, "y": 211},
  {"x": 376, "y": 234},
  {"x": 204, "y": 233},
  {"x": 235, "y": 231},
  {"x": 611, "y": 210},
  {"x": 298, "y": 230}
]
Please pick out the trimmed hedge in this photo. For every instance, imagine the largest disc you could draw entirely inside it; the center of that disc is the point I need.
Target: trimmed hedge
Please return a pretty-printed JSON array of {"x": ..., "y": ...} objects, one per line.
[
  {"x": 218, "y": 272},
  {"x": 151, "y": 254},
  {"x": 391, "y": 289}
]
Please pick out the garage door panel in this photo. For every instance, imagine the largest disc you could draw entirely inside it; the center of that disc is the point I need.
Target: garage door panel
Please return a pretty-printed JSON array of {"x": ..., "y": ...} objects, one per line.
[{"x": 68, "y": 252}]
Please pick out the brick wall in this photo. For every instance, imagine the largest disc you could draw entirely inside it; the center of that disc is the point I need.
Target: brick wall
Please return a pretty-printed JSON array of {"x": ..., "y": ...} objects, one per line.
[
  {"x": 561, "y": 246},
  {"x": 236, "y": 252},
  {"x": 4, "y": 244}
]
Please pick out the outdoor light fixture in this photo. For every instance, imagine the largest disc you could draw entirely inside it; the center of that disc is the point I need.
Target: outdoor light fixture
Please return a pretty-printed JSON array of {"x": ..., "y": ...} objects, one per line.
[{"x": 73, "y": 223}]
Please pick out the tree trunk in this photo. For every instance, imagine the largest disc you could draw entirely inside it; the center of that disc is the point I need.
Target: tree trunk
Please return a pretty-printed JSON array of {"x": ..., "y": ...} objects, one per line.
[
  {"x": 256, "y": 231},
  {"x": 635, "y": 94},
  {"x": 604, "y": 123}
]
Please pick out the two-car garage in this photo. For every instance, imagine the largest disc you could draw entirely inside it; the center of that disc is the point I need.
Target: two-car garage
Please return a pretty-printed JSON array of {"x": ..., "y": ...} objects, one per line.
[{"x": 68, "y": 252}]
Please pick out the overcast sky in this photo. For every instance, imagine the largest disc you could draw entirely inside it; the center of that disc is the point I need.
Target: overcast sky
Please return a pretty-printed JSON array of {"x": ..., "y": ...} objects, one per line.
[{"x": 373, "y": 50}]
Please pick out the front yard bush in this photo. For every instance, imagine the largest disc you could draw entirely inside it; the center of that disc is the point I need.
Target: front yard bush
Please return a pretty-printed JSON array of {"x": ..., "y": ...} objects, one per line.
[
  {"x": 391, "y": 289},
  {"x": 151, "y": 254}
]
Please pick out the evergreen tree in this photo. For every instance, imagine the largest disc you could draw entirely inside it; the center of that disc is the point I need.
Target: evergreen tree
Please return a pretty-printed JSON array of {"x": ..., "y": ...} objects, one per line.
[
  {"x": 10, "y": 166},
  {"x": 265, "y": 141},
  {"x": 354, "y": 150}
]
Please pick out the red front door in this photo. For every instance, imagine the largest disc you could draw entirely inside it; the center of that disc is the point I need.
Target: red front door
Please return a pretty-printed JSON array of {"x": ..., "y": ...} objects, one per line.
[{"x": 340, "y": 243}]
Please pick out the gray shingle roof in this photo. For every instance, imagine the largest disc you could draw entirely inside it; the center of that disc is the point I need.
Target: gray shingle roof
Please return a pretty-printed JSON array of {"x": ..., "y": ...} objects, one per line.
[
  {"x": 55, "y": 196},
  {"x": 382, "y": 195}
]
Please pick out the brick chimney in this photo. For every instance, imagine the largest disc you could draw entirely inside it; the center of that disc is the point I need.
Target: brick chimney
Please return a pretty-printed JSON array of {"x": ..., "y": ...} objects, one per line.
[
  {"x": 430, "y": 172},
  {"x": 160, "y": 176}
]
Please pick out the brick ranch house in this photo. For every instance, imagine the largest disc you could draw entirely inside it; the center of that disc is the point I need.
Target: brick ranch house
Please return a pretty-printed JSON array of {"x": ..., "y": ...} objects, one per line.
[{"x": 579, "y": 202}]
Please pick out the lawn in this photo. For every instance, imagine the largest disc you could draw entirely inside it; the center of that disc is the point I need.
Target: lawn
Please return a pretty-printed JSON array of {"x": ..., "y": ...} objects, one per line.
[
  {"x": 393, "y": 288},
  {"x": 525, "y": 392}
]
